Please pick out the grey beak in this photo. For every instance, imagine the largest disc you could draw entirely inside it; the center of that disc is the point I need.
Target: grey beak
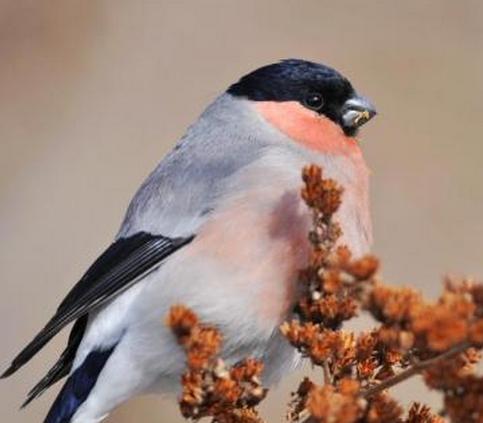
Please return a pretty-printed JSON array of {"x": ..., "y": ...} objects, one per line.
[{"x": 357, "y": 111}]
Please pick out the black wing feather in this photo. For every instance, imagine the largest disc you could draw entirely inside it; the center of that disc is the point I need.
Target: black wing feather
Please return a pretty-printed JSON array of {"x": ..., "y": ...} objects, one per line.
[{"x": 123, "y": 264}]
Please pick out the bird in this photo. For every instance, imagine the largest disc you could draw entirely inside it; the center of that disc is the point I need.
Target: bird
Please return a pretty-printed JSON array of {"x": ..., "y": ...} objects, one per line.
[{"x": 218, "y": 226}]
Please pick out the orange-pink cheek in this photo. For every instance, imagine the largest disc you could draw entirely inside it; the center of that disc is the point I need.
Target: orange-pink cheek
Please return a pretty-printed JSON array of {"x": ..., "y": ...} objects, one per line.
[{"x": 307, "y": 127}]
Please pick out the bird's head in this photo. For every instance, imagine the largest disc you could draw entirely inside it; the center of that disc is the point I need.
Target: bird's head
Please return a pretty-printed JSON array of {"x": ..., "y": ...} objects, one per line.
[{"x": 311, "y": 103}]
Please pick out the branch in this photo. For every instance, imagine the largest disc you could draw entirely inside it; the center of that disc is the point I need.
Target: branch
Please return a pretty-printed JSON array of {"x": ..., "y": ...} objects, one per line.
[
  {"x": 327, "y": 375},
  {"x": 415, "y": 369}
]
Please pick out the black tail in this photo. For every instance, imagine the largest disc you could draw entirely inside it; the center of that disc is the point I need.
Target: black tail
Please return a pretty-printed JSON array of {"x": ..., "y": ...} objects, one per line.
[
  {"x": 77, "y": 388},
  {"x": 63, "y": 365}
]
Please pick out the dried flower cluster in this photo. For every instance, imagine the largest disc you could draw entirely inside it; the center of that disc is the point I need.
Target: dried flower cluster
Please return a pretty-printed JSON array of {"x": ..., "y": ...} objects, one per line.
[
  {"x": 210, "y": 387},
  {"x": 440, "y": 340},
  {"x": 414, "y": 336}
]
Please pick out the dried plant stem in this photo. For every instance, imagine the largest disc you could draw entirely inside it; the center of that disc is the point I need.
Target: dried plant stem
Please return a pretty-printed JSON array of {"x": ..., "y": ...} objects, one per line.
[
  {"x": 327, "y": 376},
  {"x": 415, "y": 369}
]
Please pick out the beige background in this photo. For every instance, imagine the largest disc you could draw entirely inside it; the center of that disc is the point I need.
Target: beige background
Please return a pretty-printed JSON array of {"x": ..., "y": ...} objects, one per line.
[{"x": 93, "y": 93}]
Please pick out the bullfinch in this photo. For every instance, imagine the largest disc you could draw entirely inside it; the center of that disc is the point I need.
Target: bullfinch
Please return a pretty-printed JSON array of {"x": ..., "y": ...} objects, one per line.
[{"x": 218, "y": 226}]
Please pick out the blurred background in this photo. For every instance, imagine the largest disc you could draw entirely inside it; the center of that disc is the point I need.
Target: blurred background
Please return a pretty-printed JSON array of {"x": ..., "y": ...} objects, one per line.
[{"x": 93, "y": 93}]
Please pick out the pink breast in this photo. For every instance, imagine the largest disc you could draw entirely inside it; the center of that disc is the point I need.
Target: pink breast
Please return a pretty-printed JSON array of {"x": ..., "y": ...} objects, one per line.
[{"x": 259, "y": 249}]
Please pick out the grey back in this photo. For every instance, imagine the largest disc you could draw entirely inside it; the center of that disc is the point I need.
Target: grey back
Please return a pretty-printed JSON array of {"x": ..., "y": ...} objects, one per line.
[{"x": 182, "y": 190}]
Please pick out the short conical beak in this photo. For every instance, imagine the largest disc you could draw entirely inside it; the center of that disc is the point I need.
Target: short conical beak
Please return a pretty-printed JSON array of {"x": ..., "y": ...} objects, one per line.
[{"x": 357, "y": 111}]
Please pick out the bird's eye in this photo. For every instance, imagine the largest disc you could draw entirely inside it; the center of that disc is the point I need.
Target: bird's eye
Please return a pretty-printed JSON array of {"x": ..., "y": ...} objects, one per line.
[{"x": 314, "y": 101}]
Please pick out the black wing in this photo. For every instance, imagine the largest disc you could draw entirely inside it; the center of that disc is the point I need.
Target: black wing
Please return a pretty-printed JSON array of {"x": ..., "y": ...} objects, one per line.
[{"x": 123, "y": 264}]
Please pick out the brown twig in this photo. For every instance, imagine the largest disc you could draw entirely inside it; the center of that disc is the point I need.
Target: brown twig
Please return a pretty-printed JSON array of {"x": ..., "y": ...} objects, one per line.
[
  {"x": 415, "y": 369},
  {"x": 327, "y": 376}
]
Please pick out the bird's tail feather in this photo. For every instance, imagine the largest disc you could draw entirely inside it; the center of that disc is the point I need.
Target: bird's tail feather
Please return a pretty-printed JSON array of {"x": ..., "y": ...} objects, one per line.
[
  {"x": 78, "y": 387},
  {"x": 63, "y": 365}
]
